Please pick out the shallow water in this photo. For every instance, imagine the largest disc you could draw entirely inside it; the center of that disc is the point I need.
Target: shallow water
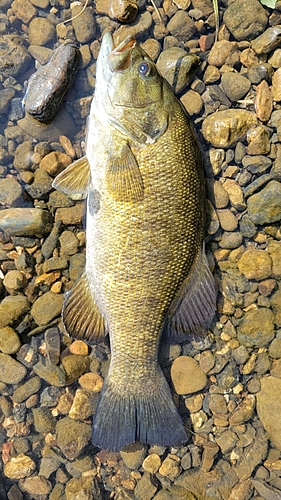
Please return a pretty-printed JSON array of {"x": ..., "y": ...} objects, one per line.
[{"x": 45, "y": 424}]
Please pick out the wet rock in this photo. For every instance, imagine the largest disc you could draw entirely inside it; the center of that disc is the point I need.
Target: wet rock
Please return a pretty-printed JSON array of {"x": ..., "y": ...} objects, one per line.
[
  {"x": 192, "y": 102},
  {"x": 25, "y": 221},
  {"x": 224, "y": 128},
  {"x": 258, "y": 140},
  {"x": 83, "y": 406},
  {"x": 263, "y": 101},
  {"x": 244, "y": 411},
  {"x": 252, "y": 456},
  {"x": 234, "y": 85},
  {"x": 255, "y": 264},
  {"x": 223, "y": 52},
  {"x": 227, "y": 220},
  {"x": 50, "y": 242},
  {"x": 47, "y": 87},
  {"x": 47, "y": 307},
  {"x": 52, "y": 339},
  {"x": 41, "y": 31},
  {"x": 71, "y": 215},
  {"x": 212, "y": 222},
  {"x": 26, "y": 390},
  {"x": 266, "y": 490},
  {"x": 41, "y": 185},
  {"x": 177, "y": 66},
  {"x": 14, "y": 281},
  {"x": 53, "y": 374},
  {"x": 216, "y": 159},
  {"x": 41, "y": 54},
  {"x": 152, "y": 47},
  {"x": 274, "y": 249},
  {"x": 62, "y": 124},
  {"x": 14, "y": 58},
  {"x": 267, "y": 41},
  {"x": 210, "y": 452},
  {"x": 187, "y": 375},
  {"x": 76, "y": 265},
  {"x": 170, "y": 467},
  {"x": 69, "y": 243},
  {"x": 12, "y": 308},
  {"x": 54, "y": 263},
  {"x": 72, "y": 437},
  {"x": 231, "y": 240},
  {"x": 75, "y": 365},
  {"x": 55, "y": 162},
  {"x": 275, "y": 59},
  {"x": 245, "y": 19},
  {"x": 276, "y": 85},
  {"x": 37, "y": 485},
  {"x": 43, "y": 420},
  {"x": 9, "y": 340},
  {"x": 10, "y": 191},
  {"x": 152, "y": 463},
  {"x": 11, "y": 371},
  {"x": 133, "y": 455},
  {"x": 79, "y": 347},
  {"x": 91, "y": 382},
  {"x": 146, "y": 487},
  {"x": 84, "y": 25},
  {"x": 19, "y": 467},
  {"x": 5, "y": 99},
  {"x": 257, "y": 328},
  {"x": 227, "y": 441},
  {"x": 181, "y": 26},
  {"x": 86, "y": 486},
  {"x": 217, "y": 194},
  {"x": 264, "y": 207},
  {"x": 274, "y": 350},
  {"x": 256, "y": 164}
]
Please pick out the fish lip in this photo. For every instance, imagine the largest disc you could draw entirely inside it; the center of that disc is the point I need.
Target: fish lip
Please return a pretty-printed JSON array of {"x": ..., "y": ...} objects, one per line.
[{"x": 119, "y": 59}]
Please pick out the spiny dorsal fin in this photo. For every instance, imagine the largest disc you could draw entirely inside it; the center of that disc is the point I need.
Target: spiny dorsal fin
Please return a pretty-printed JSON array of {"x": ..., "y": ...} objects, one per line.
[
  {"x": 194, "y": 307},
  {"x": 74, "y": 180},
  {"x": 80, "y": 314},
  {"x": 123, "y": 178}
]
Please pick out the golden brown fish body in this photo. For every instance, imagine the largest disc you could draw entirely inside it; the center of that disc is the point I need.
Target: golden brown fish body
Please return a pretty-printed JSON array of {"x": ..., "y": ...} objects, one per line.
[{"x": 145, "y": 268}]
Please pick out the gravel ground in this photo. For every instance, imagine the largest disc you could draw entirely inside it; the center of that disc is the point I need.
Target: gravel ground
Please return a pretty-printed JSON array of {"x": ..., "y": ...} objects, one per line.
[{"x": 227, "y": 387}]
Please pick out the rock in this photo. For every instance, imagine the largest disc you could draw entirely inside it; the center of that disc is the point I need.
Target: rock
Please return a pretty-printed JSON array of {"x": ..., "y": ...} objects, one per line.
[
  {"x": 55, "y": 162},
  {"x": 224, "y": 128},
  {"x": 266, "y": 490},
  {"x": 12, "y": 308},
  {"x": 170, "y": 467},
  {"x": 227, "y": 220},
  {"x": 79, "y": 347},
  {"x": 6, "y": 95},
  {"x": 217, "y": 404},
  {"x": 75, "y": 365},
  {"x": 245, "y": 19},
  {"x": 177, "y": 67},
  {"x": 11, "y": 371},
  {"x": 71, "y": 215},
  {"x": 276, "y": 85},
  {"x": 146, "y": 487},
  {"x": 152, "y": 47},
  {"x": 210, "y": 452},
  {"x": 14, "y": 58},
  {"x": 267, "y": 41},
  {"x": 227, "y": 441},
  {"x": 274, "y": 249},
  {"x": 37, "y": 485},
  {"x": 51, "y": 241},
  {"x": 47, "y": 307},
  {"x": 231, "y": 240},
  {"x": 274, "y": 350},
  {"x": 72, "y": 437},
  {"x": 9, "y": 340},
  {"x": 234, "y": 85},
  {"x": 53, "y": 374},
  {"x": 41, "y": 54},
  {"x": 264, "y": 207},
  {"x": 212, "y": 222},
  {"x": 24, "y": 10},
  {"x": 152, "y": 463},
  {"x": 263, "y": 101},
  {"x": 187, "y": 376},
  {"x": 251, "y": 457},
  {"x": 223, "y": 52},
  {"x": 43, "y": 420},
  {"x": 275, "y": 59},
  {"x": 26, "y": 390},
  {"x": 258, "y": 140},
  {"x": 76, "y": 265},
  {"x": 85, "y": 488},
  {"x": 84, "y": 25},
  {"x": 257, "y": 328},
  {"x": 192, "y": 102},
  {"x": 23, "y": 153},
  {"x": 83, "y": 406},
  {"x": 52, "y": 339},
  {"x": 255, "y": 264},
  {"x": 133, "y": 455},
  {"x": 256, "y": 164},
  {"x": 91, "y": 382},
  {"x": 62, "y": 124},
  {"x": 41, "y": 31},
  {"x": 244, "y": 411},
  {"x": 10, "y": 191},
  {"x": 217, "y": 194},
  {"x": 69, "y": 243},
  {"x": 19, "y": 467},
  {"x": 181, "y": 26},
  {"x": 41, "y": 185},
  {"x": 55, "y": 263},
  {"x": 25, "y": 221}
]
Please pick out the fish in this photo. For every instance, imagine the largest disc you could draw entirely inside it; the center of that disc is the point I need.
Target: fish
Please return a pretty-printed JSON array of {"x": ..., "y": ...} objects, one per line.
[{"x": 146, "y": 275}]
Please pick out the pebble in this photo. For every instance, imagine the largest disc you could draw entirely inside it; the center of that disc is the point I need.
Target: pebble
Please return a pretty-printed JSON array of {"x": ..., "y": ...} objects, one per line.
[
  {"x": 10, "y": 192},
  {"x": 235, "y": 85},
  {"x": 52, "y": 339},
  {"x": 244, "y": 411},
  {"x": 192, "y": 102},
  {"x": 276, "y": 85},
  {"x": 222, "y": 52},
  {"x": 170, "y": 467},
  {"x": 9, "y": 340},
  {"x": 268, "y": 406},
  {"x": 19, "y": 467},
  {"x": 181, "y": 26},
  {"x": 133, "y": 455},
  {"x": 91, "y": 382},
  {"x": 41, "y": 31},
  {"x": 55, "y": 162},
  {"x": 256, "y": 164},
  {"x": 245, "y": 20},
  {"x": 255, "y": 264},
  {"x": 53, "y": 374},
  {"x": 24, "y": 11},
  {"x": 14, "y": 58},
  {"x": 72, "y": 436},
  {"x": 84, "y": 24},
  {"x": 146, "y": 487},
  {"x": 83, "y": 406},
  {"x": 22, "y": 393},
  {"x": 257, "y": 328},
  {"x": 209, "y": 454},
  {"x": 264, "y": 207},
  {"x": 152, "y": 463},
  {"x": 177, "y": 67},
  {"x": 267, "y": 41},
  {"x": 12, "y": 308},
  {"x": 258, "y": 140},
  {"x": 47, "y": 307},
  {"x": 263, "y": 101},
  {"x": 224, "y": 128},
  {"x": 74, "y": 366},
  {"x": 37, "y": 485},
  {"x": 25, "y": 221},
  {"x": 187, "y": 376},
  {"x": 69, "y": 243},
  {"x": 227, "y": 220},
  {"x": 69, "y": 216}
]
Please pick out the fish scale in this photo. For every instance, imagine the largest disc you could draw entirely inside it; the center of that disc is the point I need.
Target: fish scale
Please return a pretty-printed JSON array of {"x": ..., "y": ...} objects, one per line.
[{"x": 146, "y": 272}]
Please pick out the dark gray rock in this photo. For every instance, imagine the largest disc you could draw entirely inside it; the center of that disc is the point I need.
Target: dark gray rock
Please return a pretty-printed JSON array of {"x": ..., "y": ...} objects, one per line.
[{"x": 245, "y": 19}]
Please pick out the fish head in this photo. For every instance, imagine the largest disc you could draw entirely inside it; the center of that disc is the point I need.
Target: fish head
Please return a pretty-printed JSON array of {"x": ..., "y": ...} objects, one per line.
[{"x": 129, "y": 90}]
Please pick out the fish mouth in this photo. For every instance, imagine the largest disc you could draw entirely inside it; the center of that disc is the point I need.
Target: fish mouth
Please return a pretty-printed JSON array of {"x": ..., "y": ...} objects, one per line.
[{"x": 119, "y": 58}]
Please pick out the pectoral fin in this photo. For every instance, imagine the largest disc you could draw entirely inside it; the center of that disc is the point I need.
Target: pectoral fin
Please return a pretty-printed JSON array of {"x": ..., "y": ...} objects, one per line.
[
  {"x": 80, "y": 314},
  {"x": 74, "y": 180},
  {"x": 193, "y": 309},
  {"x": 123, "y": 178}
]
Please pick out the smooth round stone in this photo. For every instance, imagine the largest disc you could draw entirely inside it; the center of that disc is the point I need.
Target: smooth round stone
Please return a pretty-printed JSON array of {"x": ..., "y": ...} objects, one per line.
[
  {"x": 91, "y": 382},
  {"x": 255, "y": 264},
  {"x": 187, "y": 375},
  {"x": 245, "y": 19},
  {"x": 11, "y": 371},
  {"x": 231, "y": 240},
  {"x": 47, "y": 307},
  {"x": 234, "y": 85},
  {"x": 12, "y": 308},
  {"x": 41, "y": 31},
  {"x": 244, "y": 411},
  {"x": 224, "y": 128},
  {"x": 74, "y": 366},
  {"x": 72, "y": 437},
  {"x": 55, "y": 162},
  {"x": 69, "y": 243},
  {"x": 9, "y": 340},
  {"x": 53, "y": 374},
  {"x": 37, "y": 485},
  {"x": 177, "y": 67},
  {"x": 170, "y": 467},
  {"x": 222, "y": 52},
  {"x": 26, "y": 390},
  {"x": 181, "y": 26},
  {"x": 133, "y": 455},
  {"x": 152, "y": 463},
  {"x": 267, "y": 41},
  {"x": 25, "y": 221},
  {"x": 257, "y": 328},
  {"x": 84, "y": 25},
  {"x": 19, "y": 467},
  {"x": 13, "y": 281},
  {"x": 264, "y": 207}
]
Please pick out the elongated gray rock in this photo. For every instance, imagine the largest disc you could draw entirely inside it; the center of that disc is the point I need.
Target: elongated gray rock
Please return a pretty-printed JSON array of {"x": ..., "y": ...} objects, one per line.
[{"x": 25, "y": 221}]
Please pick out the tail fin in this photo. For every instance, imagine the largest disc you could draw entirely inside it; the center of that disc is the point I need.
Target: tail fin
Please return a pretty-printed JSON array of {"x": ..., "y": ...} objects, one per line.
[{"x": 122, "y": 419}]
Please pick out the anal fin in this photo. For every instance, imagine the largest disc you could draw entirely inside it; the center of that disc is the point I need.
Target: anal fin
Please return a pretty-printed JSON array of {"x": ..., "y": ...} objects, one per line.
[
  {"x": 194, "y": 307},
  {"x": 123, "y": 178},
  {"x": 74, "y": 180},
  {"x": 80, "y": 314}
]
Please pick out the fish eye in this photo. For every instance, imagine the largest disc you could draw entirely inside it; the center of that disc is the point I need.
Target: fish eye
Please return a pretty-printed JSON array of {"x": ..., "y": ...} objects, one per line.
[{"x": 144, "y": 68}]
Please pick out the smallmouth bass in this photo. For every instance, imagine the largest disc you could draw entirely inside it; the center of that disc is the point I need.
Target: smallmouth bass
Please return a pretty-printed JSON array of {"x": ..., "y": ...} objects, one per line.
[{"x": 146, "y": 272}]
